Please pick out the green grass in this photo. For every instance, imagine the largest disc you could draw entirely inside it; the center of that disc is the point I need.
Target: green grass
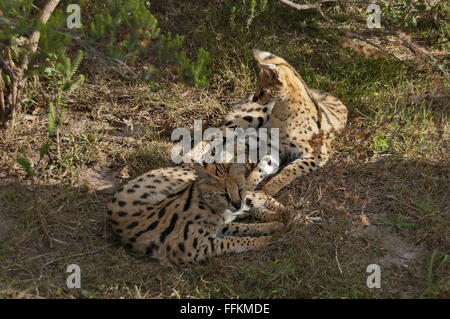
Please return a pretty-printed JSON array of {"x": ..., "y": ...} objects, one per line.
[{"x": 392, "y": 165}]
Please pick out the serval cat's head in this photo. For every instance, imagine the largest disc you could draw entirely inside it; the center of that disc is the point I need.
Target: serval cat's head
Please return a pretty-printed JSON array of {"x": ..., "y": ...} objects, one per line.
[
  {"x": 221, "y": 186},
  {"x": 276, "y": 78}
]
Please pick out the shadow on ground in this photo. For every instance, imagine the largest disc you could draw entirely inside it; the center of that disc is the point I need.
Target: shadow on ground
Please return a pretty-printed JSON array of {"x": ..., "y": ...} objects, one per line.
[{"x": 385, "y": 211}]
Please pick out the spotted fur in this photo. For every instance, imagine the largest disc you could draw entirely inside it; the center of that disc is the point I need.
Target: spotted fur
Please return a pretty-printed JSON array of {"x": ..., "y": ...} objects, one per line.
[
  {"x": 245, "y": 115},
  {"x": 185, "y": 213}
]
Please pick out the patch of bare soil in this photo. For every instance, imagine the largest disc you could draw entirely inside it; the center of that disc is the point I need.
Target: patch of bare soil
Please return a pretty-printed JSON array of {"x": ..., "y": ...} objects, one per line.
[
  {"x": 100, "y": 179},
  {"x": 399, "y": 252}
]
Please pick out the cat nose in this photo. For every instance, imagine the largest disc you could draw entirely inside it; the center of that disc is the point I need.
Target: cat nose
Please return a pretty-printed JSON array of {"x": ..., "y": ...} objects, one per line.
[{"x": 236, "y": 205}]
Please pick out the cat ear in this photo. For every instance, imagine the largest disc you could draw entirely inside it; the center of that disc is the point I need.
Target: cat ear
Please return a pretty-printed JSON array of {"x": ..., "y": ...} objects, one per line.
[
  {"x": 262, "y": 56},
  {"x": 268, "y": 71}
]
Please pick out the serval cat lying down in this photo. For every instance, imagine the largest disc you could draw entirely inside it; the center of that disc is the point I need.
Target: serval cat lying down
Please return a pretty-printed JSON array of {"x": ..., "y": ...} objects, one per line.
[
  {"x": 185, "y": 213},
  {"x": 244, "y": 115},
  {"x": 307, "y": 119}
]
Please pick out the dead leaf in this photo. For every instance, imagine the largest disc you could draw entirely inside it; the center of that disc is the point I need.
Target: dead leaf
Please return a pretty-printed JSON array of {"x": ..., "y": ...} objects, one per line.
[{"x": 364, "y": 219}]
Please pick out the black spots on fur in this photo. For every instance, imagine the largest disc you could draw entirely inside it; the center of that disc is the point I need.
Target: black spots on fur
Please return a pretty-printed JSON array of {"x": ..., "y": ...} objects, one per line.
[
  {"x": 313, "y": 164},
  {"x": 109, "y": 212},
  {"x": 136, "y": 186},
  {"x": 150, "y": 248},
  {"x": 264, "y": 109},
  {"x": 293, "y": 145},
  {"x": 260, "y": 121},
  {"x": 151, "y": 186},
  {"x": 121, "y": 203},
  {"x": 181, "y": 247},
  {"x": 169, "y": 228},
  {"x": 248, "y": 118},
  {"x": 187, "y": 204},
  {"x": 225, "y": 229},
  {"x": 113, "y": 200},
  {"x": 122, "y": 214},
  {"x": 168, "y": 248},
  {"x": 132, "y": 225},
  {"x": 113, "y": 222},
  {"x": 157, "y": 181},
  {"x": 248, "y": 202},
  {"x": 129, "y": 246},
  {"x": 186, "y": 229},
  {"x": 137, "y": 202},
  {"x": 130, "y": 190},
  {"x": 221, "y": 245},
  {"x": 162, "y": 212},
  {"x": 137, "y": 214},
  {"x": 197, "y": 217},
  {"x": 201, "y": 231},
  {"x": 132, "y": 240},
  {"x": 119, "y": 231},
  {"x": 145, "y": 195},
  {"x": 151, "y": 226},
  {"x": 228, "y": 123}
]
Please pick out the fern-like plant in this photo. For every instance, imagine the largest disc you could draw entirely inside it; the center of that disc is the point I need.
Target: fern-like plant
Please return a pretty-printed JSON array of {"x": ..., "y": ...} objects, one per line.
[{"x": 195, "y": 73}]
